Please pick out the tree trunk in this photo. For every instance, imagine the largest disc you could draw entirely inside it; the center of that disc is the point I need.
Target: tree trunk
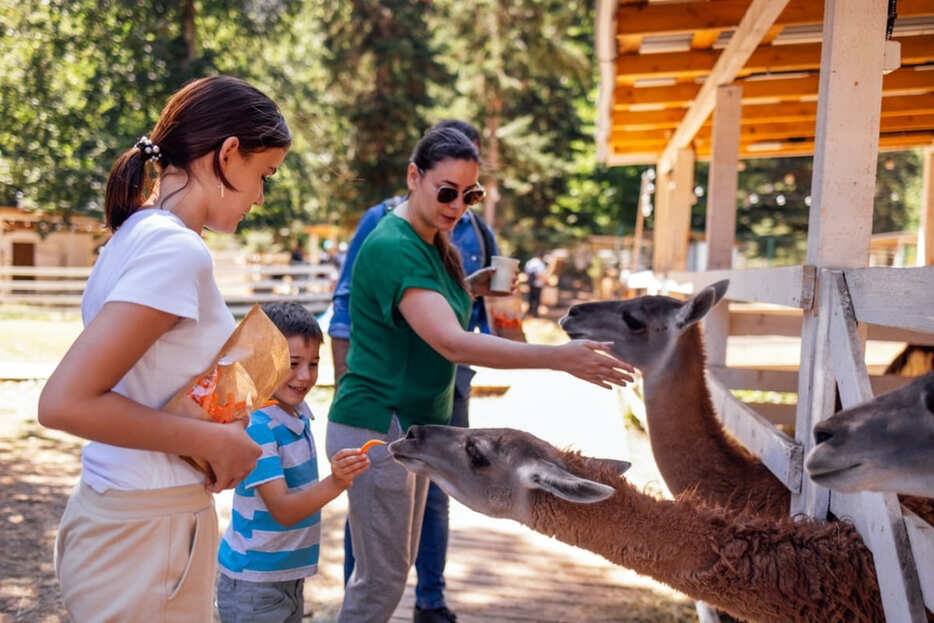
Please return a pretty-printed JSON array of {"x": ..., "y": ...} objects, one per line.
[{"x": 191, "y": 33}]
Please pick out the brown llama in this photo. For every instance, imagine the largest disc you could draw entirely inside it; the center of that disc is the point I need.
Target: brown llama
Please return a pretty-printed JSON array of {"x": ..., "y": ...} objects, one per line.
[
  {"x": 661, "y": 336},
  {"x": 755, "y": 568},
  {"x": 885, "y": 444}
]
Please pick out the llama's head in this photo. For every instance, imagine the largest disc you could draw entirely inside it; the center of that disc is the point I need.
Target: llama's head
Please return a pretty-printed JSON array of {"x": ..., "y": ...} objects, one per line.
[
  {"x": 494, "y": 470},
  {"x": 644, "y": 330},
  {"x": 886, "y": 444}
]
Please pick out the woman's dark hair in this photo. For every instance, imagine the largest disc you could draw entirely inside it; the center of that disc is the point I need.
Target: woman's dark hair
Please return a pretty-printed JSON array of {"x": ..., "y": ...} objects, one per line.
[
  {"x": 465, "y": 128},
  {"x": 293, "y": 319},
  {"x": 196, "y": 121},
  {"x": 445, "y": 143}
]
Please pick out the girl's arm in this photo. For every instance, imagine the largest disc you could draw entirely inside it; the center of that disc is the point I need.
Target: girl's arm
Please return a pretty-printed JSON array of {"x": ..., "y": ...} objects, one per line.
[
  {"x": 289, "y": 508},
  {"x": 431, "y": 317},
  {"x": 78, "y": 399}
]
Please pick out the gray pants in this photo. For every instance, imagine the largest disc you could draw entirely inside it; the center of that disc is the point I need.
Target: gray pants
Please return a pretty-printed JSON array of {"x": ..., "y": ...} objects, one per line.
[
  {"x": 242, "y": 601},
  {"x": 386, "y": 506}
]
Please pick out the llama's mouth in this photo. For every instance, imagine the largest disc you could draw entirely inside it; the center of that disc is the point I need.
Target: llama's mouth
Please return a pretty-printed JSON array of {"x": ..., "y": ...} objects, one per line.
[
  {"x": 407, "y": 461},
  {"x": 832, "y": 478}
]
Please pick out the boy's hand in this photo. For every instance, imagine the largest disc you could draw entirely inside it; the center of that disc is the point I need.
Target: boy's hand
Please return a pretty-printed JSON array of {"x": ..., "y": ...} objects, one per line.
[{"x": 347, "y": 464}]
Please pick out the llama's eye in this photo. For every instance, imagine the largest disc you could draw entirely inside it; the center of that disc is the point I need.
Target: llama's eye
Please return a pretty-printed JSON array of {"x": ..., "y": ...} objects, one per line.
[
  {"x": 476, "y": 457},
  {"x": 632, "y": 322}
]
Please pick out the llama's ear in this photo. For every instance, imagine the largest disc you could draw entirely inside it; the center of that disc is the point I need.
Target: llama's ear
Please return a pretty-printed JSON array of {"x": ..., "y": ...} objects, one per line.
[
  {"x": 545, "y": 475},
  {"x": 618, "y": 466},
  {"x": 698, "y": 305}
]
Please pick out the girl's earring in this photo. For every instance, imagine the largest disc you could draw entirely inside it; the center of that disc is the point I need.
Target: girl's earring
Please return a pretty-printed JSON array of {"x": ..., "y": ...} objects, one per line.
[{"x": 220, "y": 187}]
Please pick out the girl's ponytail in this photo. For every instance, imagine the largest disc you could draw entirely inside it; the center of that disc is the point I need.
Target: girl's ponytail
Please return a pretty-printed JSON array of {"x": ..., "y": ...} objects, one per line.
[{"x": 124, "y": 194}]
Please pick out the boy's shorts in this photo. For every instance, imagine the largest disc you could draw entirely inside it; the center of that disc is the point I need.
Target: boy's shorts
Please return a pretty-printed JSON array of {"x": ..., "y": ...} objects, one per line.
[{"x": 242, "y": 601}]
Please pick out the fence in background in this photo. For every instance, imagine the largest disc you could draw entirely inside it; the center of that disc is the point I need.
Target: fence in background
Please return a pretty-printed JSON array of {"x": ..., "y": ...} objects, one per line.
[{"x": 241, "y": 286}]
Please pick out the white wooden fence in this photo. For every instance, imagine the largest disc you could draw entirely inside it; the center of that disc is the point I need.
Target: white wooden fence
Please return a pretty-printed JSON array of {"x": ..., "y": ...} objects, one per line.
[
  {"x": 849, "y": 305},
  {"x": 242, "y": 286}
]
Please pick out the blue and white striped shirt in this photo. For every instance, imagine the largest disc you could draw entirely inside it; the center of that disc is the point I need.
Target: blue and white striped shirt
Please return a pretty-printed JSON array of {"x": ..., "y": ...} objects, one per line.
[{"x": 255, "y": 546}]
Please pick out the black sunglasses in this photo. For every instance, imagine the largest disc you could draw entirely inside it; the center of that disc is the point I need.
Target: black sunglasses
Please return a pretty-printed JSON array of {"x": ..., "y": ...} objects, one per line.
[{"x": 446, "y": 194}]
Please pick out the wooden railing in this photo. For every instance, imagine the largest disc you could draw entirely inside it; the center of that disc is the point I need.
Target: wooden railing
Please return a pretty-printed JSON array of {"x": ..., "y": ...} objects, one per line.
[
  {"x": 241, "y": 286},
  {"x": 850, "y": 305}
]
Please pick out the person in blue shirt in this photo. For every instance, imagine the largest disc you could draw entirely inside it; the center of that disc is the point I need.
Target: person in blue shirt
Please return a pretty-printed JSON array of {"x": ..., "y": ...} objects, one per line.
[{"x": 475, "y": 241}]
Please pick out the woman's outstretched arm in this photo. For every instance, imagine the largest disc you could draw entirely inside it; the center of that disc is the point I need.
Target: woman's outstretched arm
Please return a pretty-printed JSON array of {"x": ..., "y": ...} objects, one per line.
[{"x": 431, "y": 317}]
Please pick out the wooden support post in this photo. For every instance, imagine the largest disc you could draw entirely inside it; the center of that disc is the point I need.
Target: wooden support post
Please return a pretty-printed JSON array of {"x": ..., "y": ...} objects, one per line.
[
  {"x": 680, "y": 209},
  {"x": 839, "y": 230},
  {"x": 661, "y": 257},
  {"x": 842, "y": 190},
  {"x": 721, "y": 210},
  {"x": 925, "y": 253}
]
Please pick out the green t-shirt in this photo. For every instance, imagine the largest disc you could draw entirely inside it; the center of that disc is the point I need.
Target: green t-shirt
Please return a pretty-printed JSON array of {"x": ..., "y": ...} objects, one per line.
[{"x": 389, "y": 368}]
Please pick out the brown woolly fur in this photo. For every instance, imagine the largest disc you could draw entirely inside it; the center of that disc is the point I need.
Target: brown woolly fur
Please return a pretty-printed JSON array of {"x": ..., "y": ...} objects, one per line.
[
  {"x": 728, "y": 475},
  {"x": 693, "y": 450},
  {"x": 756, "y": 569}
]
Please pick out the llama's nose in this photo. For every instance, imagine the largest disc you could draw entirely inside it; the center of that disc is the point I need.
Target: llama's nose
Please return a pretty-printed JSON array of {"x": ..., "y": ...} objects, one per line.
[
  {"x": 821, "y": 435},
  {"x": 414, "y": 432},
  {"x": 573, "y": 311}
]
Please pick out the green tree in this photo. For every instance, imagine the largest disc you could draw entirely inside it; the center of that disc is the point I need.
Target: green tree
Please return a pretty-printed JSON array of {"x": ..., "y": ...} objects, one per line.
[
  {"x": 380, "y": 65},
  {"x": 520, "y": 70},
  {"x": 80, "y": 80}
]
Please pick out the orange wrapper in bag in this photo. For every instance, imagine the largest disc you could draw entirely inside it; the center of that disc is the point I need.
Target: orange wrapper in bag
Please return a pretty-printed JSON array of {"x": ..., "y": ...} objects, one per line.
[{"x": 250, "y": 366}]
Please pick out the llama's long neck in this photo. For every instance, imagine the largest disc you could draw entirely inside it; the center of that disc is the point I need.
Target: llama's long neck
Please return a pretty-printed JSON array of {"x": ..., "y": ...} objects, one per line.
[
  {"x": 754, "y": 568},
  {"x": 689, "y": 444}
]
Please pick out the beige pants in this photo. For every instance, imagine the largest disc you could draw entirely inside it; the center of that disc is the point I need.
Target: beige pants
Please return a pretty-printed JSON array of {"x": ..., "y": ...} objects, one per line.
[{"x": 138, "y": 555}]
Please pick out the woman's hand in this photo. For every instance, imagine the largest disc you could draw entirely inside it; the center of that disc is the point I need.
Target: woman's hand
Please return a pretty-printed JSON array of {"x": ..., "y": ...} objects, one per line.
[
  {"x": 347, "y": 464},
  {"x": 585, "y": 360},
  {"x": 234, "y": 456},
  {"x": 478, "y": 283}
]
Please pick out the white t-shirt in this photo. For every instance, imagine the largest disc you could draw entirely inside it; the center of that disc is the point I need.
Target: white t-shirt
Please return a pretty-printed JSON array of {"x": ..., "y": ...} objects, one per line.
[{"x": 154, "y": 260}]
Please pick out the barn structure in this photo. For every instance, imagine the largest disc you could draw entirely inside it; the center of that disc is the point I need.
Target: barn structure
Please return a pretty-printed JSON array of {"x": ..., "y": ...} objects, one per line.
[{"x": 839, "y": 80}]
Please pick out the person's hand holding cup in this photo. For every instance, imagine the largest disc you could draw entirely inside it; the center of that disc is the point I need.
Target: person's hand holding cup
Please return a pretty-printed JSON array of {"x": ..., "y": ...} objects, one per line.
[
  {"x": 505, "y": 279},
  {"x": 500, "y": 278}
]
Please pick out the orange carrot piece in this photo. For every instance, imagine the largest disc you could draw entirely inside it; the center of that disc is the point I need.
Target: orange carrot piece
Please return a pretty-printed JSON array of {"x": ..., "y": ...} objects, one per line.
[{"x": 371, "y": 443}]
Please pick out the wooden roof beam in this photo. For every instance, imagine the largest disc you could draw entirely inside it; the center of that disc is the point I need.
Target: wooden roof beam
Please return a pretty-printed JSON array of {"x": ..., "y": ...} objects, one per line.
[
  {"x": 676, "y": 18},
  {"x": 900, "y": 82},
  {"x": 756, "y": 22},
  {"x": 773, "y": 131},
  {"x": 670, "y": 118},
  {"x": 765, "y": 59},
  {"x": 766, "y": 149}
]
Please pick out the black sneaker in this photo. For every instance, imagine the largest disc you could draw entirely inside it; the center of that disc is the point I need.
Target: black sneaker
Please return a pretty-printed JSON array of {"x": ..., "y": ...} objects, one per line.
[{"x": 434, "y": 615}]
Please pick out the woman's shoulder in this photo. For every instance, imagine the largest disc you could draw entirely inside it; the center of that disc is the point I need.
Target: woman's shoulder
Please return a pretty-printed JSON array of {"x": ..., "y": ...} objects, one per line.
[
  {"x": 393, "y": 238},
  {"x": 162, "y": 231}
]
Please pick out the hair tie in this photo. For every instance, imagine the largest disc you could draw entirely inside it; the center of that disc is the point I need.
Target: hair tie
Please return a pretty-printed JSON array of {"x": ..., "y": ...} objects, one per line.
[{"x": 150, "y": 151}]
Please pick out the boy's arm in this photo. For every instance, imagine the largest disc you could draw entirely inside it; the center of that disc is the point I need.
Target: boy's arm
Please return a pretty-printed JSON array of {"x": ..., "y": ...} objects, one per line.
[{"x": 290, "y": 507}]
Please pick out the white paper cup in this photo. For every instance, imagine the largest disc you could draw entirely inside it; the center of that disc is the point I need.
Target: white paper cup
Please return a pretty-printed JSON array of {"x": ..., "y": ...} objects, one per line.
[{"x": 506, "y": 268}]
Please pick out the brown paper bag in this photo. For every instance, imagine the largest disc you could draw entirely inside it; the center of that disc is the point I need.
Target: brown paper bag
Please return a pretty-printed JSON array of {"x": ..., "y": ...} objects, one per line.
[{"x": 248, "y": 369}]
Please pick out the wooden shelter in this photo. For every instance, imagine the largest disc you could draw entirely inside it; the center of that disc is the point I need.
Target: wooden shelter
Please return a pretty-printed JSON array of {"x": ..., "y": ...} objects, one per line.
[{"x": 840, "y": 80}]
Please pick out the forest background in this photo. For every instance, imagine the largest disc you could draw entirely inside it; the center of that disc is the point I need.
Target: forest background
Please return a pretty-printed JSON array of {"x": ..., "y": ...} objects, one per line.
[{"x": 359, "y": 81}]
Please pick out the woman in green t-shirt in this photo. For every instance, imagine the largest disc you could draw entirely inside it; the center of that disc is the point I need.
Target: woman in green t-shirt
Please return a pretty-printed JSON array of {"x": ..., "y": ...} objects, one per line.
[{"x": 409, "y": 309}]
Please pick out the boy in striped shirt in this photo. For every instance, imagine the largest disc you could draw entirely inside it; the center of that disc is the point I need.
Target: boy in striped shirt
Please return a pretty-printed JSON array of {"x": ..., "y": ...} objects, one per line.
[{"x": 271, "y": 544}]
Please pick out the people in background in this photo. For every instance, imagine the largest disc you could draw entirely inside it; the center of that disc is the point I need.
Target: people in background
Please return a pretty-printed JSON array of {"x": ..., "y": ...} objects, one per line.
[{"x": 535, "y": 270}]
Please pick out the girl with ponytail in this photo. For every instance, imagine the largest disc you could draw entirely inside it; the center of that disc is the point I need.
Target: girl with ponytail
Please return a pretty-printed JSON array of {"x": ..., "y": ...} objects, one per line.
[
  {"x": 409, "y": 309},
  {"x": 138, "y": 539}
]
